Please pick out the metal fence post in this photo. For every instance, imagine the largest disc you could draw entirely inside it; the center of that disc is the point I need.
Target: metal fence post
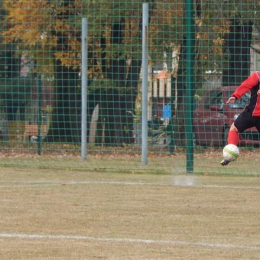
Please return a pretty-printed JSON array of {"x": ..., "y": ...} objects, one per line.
[
  {"x": 84, "y": 46},
  {"x": 144, "y": 83},
  {"x": 190, "y": 32}
]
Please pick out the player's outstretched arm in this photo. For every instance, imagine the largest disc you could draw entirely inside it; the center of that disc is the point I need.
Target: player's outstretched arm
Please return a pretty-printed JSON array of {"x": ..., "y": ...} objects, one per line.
[{"x": 231, "y": 100}]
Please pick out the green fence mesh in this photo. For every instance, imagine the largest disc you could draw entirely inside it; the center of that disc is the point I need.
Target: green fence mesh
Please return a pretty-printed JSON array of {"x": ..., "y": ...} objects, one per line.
[{"x": 198, "y": 53}]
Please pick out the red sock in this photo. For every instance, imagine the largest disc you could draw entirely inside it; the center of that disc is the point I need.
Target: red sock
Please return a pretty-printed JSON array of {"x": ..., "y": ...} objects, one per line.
[{"x": 233, "y": 137}]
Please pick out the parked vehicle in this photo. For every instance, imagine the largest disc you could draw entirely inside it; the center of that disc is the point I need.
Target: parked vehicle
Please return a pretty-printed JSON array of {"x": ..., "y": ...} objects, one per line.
[{"x": 213, "y": 117}]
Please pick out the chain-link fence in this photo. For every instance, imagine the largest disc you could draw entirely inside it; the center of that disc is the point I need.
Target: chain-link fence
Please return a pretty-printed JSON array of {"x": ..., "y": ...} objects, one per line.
[{"x": 126, "y": 85}]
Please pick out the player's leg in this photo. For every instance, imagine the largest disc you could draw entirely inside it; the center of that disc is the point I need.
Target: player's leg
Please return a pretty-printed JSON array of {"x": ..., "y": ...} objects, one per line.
[
  {"x": 232, "y": 139},
  {"x": 233, "y": 135},
  {"x": 243, "y": 122},
  {"x": 257, "y": 125}
]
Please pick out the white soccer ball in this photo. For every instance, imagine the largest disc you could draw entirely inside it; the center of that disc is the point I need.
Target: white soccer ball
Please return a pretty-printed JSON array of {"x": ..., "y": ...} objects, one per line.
[{"x": 230, "y": 152}]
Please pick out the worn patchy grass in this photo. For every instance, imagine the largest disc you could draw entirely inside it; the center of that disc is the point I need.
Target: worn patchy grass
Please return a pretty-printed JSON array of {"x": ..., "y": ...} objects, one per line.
[{"x": 62, "y": 214}]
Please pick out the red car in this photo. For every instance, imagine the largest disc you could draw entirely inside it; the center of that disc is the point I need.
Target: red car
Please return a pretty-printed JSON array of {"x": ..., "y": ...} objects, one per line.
[{"x": 213, "y": 117}]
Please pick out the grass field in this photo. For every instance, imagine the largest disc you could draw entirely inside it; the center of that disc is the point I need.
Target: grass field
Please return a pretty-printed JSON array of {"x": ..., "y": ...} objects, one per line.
[
  {"x": 56, "y": 214},
  {"x": 129, "y": 160}
]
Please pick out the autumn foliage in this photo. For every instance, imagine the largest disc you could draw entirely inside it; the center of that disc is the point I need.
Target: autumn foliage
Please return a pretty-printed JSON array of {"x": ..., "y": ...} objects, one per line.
[{"x": 44, "y": 29}]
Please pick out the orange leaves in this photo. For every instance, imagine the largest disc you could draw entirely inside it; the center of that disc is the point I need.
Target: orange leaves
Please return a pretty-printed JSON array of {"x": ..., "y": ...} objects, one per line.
[
  {"x": 218, "y": 41},
  {"x": 68, "y": 59},
  {"x": 42, "y": 23},
  {"x": 221, "y": 29},
  {"x": 25, "y": 21}
]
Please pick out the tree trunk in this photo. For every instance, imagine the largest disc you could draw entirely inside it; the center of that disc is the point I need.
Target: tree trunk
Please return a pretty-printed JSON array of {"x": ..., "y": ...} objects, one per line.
[
  {"x": 114, "y": 122},
  {"x": 237, "y": 50},
  {"x": 65, "y": 124},
  {"x": 117, "y": 101}
]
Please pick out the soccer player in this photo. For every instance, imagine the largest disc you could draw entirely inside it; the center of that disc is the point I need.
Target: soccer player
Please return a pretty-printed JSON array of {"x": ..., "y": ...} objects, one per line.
[{"x": 250, "y": 117}]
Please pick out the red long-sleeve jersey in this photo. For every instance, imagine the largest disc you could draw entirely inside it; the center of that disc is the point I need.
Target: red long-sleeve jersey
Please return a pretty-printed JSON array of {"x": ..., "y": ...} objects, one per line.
[{"x": 250, "y": 84}]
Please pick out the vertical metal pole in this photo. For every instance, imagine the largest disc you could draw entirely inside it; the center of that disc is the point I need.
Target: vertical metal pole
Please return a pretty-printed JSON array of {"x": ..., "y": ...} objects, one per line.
[
  {"x": 190, "y": 81},
  {"x": 171, "y": 123},
  {"x": 144, "y": 83},
  {"x": 84, "y": 47},
  {"x": 39, "y": 96}
]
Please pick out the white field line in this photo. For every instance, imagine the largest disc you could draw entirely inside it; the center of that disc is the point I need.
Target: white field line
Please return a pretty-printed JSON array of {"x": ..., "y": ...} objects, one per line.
[
  {"x": 127, "y": 240},
  {"x": 4, "y": 184}
]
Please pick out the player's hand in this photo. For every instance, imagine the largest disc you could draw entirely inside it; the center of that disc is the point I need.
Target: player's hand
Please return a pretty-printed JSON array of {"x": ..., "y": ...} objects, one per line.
[{"x": 231, "y": 100}]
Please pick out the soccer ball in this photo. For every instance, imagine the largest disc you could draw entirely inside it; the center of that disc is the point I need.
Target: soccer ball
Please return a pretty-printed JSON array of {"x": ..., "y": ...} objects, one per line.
[{"x": 230, "y": 152}]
